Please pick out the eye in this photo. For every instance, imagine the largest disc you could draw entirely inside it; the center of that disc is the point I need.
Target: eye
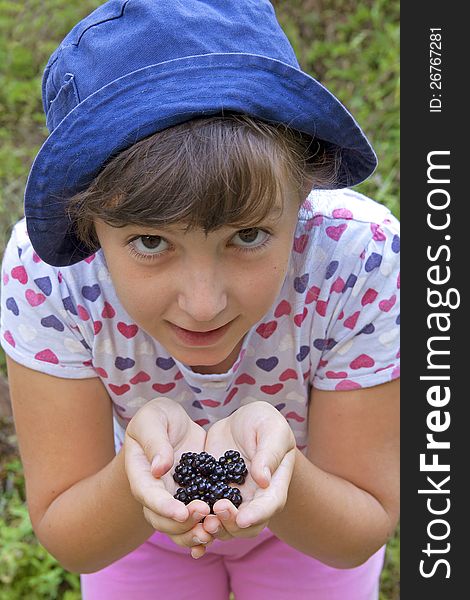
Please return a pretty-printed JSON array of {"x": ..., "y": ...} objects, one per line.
[
  {"x": 149, "y": 244},
  {"x": 252, "y": 238}
]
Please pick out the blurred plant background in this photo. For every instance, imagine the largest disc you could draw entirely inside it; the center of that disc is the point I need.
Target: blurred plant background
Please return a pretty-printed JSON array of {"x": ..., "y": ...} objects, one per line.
[{"x": 350, "y": 46}]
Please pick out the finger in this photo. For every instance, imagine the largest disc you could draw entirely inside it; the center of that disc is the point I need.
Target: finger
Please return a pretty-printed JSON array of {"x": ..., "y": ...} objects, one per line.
[
  {"x": 148, "y": 490},
  {"x": 151, "y": 433},
  {"x": 255, "y": 513},
  {"x": 198, "y": 551},
  {"x": 268, "y": 502},
  {"x": 212, "y": 524},
  {"x": 229, "y": 518},
  {"x": 226, "y": 512},
  {"x": 195, "y": 537},
  {"x": 271, "y": 449},
  {"x": 223, "y": 534},
  {"x": 196, "y": 514},
  {"x": 198, "y": 510}
]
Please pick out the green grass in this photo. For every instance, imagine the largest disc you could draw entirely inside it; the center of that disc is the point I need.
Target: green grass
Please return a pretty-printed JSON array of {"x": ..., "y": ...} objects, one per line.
[{"x": 352, "y": 47}]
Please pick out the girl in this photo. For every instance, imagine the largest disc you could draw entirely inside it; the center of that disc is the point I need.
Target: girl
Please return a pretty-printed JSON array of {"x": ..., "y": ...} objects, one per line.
[{"x": 193, "y": 274}]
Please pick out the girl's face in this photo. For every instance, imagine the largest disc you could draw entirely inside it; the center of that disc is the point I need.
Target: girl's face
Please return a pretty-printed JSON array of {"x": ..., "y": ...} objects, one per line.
[{"x": 178, "y": 286}]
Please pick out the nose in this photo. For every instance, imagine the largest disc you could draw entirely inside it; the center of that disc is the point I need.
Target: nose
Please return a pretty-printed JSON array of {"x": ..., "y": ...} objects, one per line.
[{"x": 202, "y": 294}]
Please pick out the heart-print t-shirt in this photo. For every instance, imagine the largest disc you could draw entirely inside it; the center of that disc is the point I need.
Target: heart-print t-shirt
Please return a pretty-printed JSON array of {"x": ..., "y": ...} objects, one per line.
[{"x": 334, "y": 325}]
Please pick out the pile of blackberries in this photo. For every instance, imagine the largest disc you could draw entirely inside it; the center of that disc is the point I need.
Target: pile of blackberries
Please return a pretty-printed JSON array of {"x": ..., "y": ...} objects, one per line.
[{"x": 202, "y": 477}]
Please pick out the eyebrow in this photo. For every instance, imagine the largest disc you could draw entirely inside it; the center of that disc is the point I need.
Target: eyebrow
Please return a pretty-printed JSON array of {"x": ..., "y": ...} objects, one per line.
[{"x": 273, "y": 215}]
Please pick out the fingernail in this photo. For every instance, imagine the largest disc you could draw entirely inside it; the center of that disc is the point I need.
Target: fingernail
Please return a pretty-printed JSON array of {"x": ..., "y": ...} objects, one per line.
[
  {"x": 224, "y": 515},
  {"x": 198, "y": 516},
  {"x": 267, "y": 473},
  {"x": 155, "y": 461},
  {"x": 197, "y": 541}
]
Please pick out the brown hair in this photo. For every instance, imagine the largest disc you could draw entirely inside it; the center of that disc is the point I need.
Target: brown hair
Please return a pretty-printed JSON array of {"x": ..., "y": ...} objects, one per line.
[{"x": 206, "y": 173}]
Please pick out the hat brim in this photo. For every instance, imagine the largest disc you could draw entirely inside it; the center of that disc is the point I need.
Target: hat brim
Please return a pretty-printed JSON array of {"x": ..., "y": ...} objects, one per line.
[{"x": 166, "y": 94}]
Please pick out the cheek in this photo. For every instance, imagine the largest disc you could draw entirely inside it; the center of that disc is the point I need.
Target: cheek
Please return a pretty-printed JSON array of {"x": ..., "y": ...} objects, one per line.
[
  {"x": 262, "y": 287},
  {"x": 136, "y": 294}
]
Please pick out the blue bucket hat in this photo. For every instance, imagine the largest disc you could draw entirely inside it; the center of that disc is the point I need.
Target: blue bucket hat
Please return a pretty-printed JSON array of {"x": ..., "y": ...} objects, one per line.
[{"x": 135, "y": 67}]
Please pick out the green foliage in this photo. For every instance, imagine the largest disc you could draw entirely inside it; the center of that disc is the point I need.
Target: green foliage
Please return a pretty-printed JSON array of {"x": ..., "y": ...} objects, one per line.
[
  {"x": 27, "y": 570},
  {"x": 29, "y": 32},
  {"x": 390, "y": 578},
  {"x": 351, "y": 47}
]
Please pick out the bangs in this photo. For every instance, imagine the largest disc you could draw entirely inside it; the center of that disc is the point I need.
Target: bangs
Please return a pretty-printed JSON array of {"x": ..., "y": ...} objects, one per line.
[
  {"x": 229, "y": 171},
  {"x": 198, "y": 176}
]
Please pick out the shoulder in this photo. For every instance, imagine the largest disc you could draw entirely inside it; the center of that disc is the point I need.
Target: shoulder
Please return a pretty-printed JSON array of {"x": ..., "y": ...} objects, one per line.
[
  {"x": 345, "y": 204},
  {"x": 33, "y": 288},
  {"x": 22, "y": 267},
  {"x": 345, "y": 226},
  {"x": 22, "y": 264}
]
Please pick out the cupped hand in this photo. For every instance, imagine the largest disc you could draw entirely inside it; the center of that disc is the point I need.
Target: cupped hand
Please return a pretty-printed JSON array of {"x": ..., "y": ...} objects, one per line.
[
  {"x": 267, "y": 444},
  {"x": 156, "y": 437}
]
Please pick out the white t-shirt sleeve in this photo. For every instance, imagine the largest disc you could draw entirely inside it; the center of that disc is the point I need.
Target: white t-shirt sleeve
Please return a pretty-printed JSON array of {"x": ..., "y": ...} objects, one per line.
[
  {"x": 361, "y": 344},
  {"x": 38, "y": 325}
]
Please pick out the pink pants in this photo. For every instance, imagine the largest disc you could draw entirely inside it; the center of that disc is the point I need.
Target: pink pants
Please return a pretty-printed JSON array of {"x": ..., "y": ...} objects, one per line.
[{"x": 263, "y": 568}]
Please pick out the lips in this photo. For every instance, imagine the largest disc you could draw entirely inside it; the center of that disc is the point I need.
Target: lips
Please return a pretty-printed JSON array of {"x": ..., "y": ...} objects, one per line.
[
  {"x": 200, "y": 338},
  {"x": 195, "y": 331}
]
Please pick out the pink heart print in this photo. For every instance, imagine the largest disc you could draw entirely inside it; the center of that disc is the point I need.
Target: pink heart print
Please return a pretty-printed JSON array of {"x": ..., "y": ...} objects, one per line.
[
  {"x": 283, "y": 308},
  {"x": 19, "y": 273},
  {"x": 9, "y": 338},
  {"x": 108, "y": 311},
  {"x": 119, "y": 390},
  {"x": 266, "y": 330},
  {"x": 141, "y": 377},
  {"x": 321, "y": 307},
  {"x": 346, "y": 385},
  {"x": 369, "y": 297},
  {"x": 230, "y": 396},
  {"x": 342, "y": 213},
  {"x": 300, "y": 243},
  {"x": 378, "y": 234},
  {"x": 362, "y": 361},
  {"x": 209, "y": 402},
  {"x": 335, "y": 232},
  {"x": 162, "y": 388},
  {"x": 83, "y": 313},
  {"x": 293, "y": 415},
  {"x": 337, "y": 286},
  {"x": 245, "y": 378},
  {"x": 33, "y": 298},
  {"x": 312, "y": 294},
  {"x": 387, "y": 305},
  {"x": 351, "y": 321},
  {"x": 128, "y": 331},
  {"x": 298, "y": 319},
  {"x": 336, "y": 375},
  {"x": 272, "y": 389},
  {"x": 47, "y": 356},
  {"x": 288, "y": 374}
]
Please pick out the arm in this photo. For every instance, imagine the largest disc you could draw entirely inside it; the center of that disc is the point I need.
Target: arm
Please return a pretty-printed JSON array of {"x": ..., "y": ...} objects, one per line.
[
  {"x": 343, "y": 500},
  {"x": 88, "y": 506},
  {"x": 78, "y": 494}
]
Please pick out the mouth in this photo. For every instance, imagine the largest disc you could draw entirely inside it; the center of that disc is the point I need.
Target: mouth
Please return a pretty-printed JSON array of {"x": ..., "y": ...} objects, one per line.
[{"x": 200, "y": 338}]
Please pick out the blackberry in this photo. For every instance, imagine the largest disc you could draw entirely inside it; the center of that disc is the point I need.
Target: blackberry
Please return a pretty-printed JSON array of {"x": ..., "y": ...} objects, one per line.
[{"x": 205, "y": 478}]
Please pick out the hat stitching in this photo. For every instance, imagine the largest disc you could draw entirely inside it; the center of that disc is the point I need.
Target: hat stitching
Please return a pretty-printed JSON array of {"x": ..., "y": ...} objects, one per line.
[{"x": 107, "y": 20}]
